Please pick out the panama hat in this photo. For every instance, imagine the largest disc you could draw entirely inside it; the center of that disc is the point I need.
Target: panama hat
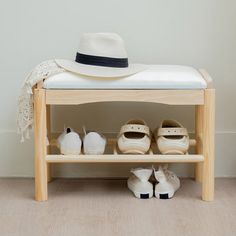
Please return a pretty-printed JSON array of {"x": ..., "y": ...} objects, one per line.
[{"x": 101, "y": 55}]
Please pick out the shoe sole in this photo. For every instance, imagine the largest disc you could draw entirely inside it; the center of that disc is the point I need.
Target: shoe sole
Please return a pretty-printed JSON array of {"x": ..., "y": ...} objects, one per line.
[
  {"x": 133, "y": 152},
  {"x": 164, "y": 195},
  {"x": 173, "y": 152},
  {"x": 143, "y": 195}
]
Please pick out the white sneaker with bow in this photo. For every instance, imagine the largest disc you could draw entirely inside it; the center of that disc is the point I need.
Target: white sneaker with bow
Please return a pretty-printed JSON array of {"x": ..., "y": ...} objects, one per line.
[
  {"x": 168, "y": 183},
  {"x": 139, "y": 183}
]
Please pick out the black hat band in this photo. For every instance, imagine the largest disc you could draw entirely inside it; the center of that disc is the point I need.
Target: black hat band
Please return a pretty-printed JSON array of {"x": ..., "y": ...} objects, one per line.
[{"x": 101, "y": 61}]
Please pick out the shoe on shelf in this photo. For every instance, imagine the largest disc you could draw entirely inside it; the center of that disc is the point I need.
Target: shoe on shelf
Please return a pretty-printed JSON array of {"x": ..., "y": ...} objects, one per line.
[
  {"x": 93, "y": 143},
  {"x": 168, "y": 183},
  {"x": 134, "y": 137},
  {"x": 69, "y": 142},
  {"x": 138, "y": 183},
  {"x": 172, "y": 138}
]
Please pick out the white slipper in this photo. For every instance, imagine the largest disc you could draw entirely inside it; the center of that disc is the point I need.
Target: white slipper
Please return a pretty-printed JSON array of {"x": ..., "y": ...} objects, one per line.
[
  {"x": 69, "y": 142},
  {"x": 172, "y": 138},
  {"x": 94, "y": 143},
  {"x": 134, "y": 137},
  {"x": 168, "y": 183},
  {"x": 138, "y": 183}
]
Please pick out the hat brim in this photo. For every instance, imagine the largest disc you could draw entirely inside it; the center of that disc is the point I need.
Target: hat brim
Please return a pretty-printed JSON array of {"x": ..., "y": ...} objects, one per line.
[{"x": 99, "y": 71}]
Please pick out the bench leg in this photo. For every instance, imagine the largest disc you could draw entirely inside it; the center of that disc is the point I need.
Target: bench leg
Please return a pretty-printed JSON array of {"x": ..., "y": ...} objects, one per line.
[
  {"x": 198, "y": 137},
  {"x": 40, "y": 131},
  {"x": 208, "y": 138},
  {"x": 49, "y": 166}
]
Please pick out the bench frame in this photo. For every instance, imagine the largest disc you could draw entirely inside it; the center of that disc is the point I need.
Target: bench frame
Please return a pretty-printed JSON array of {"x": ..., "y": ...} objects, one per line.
[{"x": 203, "y": 100}]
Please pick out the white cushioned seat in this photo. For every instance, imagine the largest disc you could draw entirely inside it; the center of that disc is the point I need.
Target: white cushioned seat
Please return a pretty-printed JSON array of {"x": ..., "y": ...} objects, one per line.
[{"x": 155, "y": 77}]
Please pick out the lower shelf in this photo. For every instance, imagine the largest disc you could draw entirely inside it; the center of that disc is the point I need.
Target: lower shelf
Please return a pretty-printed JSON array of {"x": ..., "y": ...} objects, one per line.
[{"x": 111, "y": 158}]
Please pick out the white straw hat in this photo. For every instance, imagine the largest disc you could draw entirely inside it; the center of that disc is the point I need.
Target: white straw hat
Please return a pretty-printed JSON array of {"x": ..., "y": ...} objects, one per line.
[{"x": 101, "y": 55}]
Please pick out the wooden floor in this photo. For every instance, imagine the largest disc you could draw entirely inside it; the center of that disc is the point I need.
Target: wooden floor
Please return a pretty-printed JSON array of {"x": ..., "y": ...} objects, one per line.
[{"x": 106, "y": 207}]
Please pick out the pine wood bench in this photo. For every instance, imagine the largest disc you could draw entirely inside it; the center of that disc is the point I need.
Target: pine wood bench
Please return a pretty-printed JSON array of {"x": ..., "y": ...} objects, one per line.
[{"x": 203, "y": 100}]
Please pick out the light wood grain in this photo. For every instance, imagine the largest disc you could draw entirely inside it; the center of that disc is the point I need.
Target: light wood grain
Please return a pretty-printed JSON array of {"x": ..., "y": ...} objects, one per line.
[
  {"x": 198, "y": 137},
  {"x": 203, "y": 99},
  {"x": 208, "y": 138},
  {"x": 40, "y": 85},
  {"x": 40, "y": 145},
  {"x": 171, "y": 97},
  {"x": 119, "y": 158},
  {"x": 49, "y": 166}
]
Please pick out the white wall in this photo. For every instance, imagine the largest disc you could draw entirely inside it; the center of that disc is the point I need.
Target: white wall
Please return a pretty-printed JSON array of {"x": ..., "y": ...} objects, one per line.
[{"x": 197, "y": 33}]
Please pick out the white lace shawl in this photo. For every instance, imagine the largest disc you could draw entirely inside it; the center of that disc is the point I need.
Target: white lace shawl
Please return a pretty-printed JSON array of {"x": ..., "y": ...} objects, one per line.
[{"x": 25, "y": 108}]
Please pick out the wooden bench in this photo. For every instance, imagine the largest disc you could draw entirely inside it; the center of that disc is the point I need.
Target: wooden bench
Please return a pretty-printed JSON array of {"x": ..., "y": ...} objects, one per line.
[{"x": 203, "y": 100}]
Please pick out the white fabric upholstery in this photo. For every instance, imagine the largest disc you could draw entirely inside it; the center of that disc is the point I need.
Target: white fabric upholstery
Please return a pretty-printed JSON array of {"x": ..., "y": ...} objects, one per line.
[{"x": 155, "y": 77}]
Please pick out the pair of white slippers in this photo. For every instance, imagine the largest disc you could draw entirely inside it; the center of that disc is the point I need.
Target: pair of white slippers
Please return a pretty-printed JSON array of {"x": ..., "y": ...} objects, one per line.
[
  {"x": 167, "y": 183},
  {"x": 135, "y": 137},
  {"x": 70, "y": 143}
]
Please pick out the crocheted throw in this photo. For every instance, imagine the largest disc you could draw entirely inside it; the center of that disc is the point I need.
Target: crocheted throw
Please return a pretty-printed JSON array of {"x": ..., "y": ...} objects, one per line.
[{"x": 25, "y": 108}]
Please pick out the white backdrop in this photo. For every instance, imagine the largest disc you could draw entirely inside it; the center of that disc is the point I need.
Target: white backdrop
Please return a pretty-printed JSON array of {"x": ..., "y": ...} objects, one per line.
[{"x": 196, "y": 33}]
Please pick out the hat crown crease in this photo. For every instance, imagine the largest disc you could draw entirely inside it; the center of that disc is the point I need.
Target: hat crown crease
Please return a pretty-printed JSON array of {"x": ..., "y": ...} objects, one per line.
[{"x": 102, "y": 44}]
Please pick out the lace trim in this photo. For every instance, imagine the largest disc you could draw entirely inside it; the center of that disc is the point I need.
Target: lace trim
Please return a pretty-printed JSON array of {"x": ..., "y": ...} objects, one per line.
[{"x": 25, "y": 108}]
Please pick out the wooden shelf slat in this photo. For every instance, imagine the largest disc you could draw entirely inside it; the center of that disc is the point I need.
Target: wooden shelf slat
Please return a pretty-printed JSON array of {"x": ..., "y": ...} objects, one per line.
[
  {"x": 171, "y": 97},
  {"x": 110, "y": 158}
]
